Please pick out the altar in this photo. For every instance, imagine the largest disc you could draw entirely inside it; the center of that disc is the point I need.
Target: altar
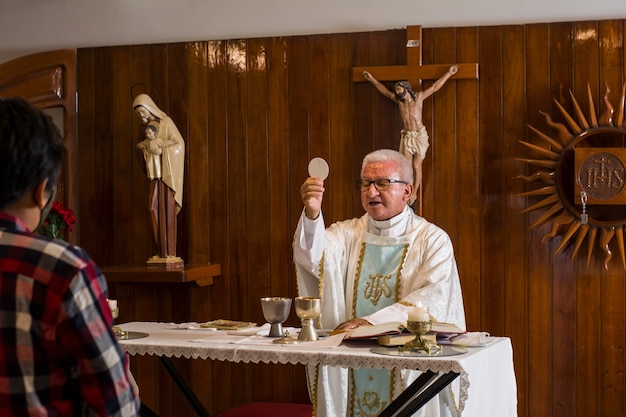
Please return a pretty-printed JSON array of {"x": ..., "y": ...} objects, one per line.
[{"x": 486, "y": 388}]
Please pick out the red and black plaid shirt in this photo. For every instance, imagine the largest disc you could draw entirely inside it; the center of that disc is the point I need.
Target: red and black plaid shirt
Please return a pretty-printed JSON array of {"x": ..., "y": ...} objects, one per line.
[{"x": 58, "y": 354}]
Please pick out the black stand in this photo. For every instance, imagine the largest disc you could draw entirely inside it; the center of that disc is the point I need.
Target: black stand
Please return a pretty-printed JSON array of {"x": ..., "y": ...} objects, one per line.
[{"x": 422, "y": 390}]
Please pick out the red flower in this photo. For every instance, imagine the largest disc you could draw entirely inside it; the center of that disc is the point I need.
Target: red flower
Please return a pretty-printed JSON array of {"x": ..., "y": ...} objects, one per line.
[
  {"x": 67, "y": 214},
  {"x": 59, "y": 219}
]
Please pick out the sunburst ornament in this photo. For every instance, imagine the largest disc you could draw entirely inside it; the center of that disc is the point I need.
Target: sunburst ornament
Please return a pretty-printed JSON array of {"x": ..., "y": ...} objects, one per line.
[{"x": 582, "y": 178}]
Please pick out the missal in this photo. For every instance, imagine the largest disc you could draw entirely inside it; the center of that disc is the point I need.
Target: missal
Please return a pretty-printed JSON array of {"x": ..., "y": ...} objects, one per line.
[{"x": 443, "y": 330}]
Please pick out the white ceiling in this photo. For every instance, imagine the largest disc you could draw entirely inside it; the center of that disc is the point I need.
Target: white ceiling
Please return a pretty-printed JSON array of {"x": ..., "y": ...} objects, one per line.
[{"x": 29, "y": 26}]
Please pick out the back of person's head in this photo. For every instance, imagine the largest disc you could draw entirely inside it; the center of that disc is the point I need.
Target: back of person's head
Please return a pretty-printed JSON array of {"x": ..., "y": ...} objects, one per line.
[
  {"x": 31, "y": 150},
  {"x": 405, "y": 169}
]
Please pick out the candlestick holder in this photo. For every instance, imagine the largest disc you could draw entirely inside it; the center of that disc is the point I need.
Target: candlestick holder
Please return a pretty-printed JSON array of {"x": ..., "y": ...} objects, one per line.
[
  {"x": 419, "y": 329},
  {"x": 115, "y": 311}
]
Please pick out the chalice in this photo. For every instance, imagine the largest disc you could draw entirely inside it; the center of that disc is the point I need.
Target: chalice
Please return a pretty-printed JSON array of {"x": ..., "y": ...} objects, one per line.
[
  {"x": 276, "y": 311},
  {"x": 308, "y": 309}
]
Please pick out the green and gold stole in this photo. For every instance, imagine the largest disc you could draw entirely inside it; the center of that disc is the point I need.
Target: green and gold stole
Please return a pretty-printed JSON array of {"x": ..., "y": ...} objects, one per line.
[{"x": 377, "y": 285}]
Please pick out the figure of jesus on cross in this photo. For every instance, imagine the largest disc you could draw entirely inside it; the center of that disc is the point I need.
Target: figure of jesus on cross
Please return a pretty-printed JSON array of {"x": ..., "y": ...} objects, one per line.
[
  {"x": 414, "y": 137},
  {"x": 411, "y": 108}
]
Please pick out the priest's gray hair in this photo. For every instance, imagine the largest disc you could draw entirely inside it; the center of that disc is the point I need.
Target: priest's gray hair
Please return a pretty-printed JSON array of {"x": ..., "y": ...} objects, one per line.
[{"x": 405, "y": 169}]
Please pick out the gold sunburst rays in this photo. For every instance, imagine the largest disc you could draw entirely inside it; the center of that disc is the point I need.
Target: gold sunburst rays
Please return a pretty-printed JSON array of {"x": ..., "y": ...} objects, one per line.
[{"x": 556, "y": 177}]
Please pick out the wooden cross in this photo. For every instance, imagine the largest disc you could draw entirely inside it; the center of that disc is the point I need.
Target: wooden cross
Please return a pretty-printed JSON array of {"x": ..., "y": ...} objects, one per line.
[{"x": 414, "y": 72}]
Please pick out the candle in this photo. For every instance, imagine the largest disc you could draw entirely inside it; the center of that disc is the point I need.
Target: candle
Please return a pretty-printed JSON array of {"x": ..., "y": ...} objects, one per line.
[
  {"x": 112, "y": 304},
  {"x": 419, "y": 313}
]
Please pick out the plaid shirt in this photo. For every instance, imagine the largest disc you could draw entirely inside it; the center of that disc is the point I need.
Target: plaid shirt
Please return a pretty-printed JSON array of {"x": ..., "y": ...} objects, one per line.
[{"x": 58, "y": 354}]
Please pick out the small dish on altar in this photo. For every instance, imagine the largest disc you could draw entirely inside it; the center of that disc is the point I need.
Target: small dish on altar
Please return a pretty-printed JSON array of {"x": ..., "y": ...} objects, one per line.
[
  {"x": 394, "y": 351},
  {"x": 222, "y": 324},
  {"x": 132, "y": 335},
  {"x": 285, "y": 340}
]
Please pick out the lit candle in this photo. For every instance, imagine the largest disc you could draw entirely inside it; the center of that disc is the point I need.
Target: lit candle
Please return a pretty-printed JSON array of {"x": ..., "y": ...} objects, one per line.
[
  {"x": 419, "y": 313},
  {"x": 112, "y": 304}
]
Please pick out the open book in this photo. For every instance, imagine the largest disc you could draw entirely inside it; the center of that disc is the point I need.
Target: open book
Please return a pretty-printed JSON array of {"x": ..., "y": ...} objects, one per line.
[{"x": 396, "y": 327}]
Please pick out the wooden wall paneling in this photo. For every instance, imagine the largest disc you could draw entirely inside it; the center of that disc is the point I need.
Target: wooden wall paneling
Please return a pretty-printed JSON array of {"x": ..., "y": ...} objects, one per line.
[
  {"x": 384, "y": 122},
  {"x": 197, "y": 193},
  {"x": 429, "y": 195},
  {"x": 343, "y": 98},
  {"x": 298, "y": 120},
  {"x": 515, "y": 253},
  {"x": 538, "y": 395},
  {"x": 238, "y": 191},
  {"x": 102, "y": 192},
  {"x": 443, "y": 133},
  {"x": 197, "y": 149},
  {"x": 492, "y": 274},
  {"x": 562, "y": 271},
  {"x": 469, "y": 221},
  {"x": 258, "y": 201},
  {"x": 86, "y": 167},
  {"x": 613, "y": 312},
  {"x": 196, "y": 197},
  {"x": 319, "y": 105},
  {"x": 218, "y": 175},
  {"x": 123, "y": 153}
]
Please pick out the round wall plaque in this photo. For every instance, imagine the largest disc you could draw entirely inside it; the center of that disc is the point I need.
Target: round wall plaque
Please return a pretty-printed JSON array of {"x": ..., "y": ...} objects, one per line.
[{"x": 581, "y": 178}]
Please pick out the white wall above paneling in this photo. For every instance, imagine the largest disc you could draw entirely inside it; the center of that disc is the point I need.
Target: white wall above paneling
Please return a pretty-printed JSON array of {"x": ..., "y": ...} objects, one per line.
[{"x": 28, "y": 26}]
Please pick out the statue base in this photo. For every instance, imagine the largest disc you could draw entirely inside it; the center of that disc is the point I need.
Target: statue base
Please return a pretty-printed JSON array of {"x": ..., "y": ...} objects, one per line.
[{"x": 169, "y": 262}]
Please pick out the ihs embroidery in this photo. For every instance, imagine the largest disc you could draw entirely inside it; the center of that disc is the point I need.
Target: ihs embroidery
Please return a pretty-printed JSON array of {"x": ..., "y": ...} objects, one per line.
[{"x": 377, "y": 287}]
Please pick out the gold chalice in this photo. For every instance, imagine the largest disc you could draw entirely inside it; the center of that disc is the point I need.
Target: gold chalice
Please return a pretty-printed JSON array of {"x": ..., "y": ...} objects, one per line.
[{"x": 308, "y": 309}]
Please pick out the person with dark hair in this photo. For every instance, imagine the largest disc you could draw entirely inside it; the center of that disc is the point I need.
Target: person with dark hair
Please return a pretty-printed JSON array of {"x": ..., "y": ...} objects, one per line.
[
  {"x": 371, "y": 270},
  {"x": 413, "y": 137},
  {"x": 59, "y": 355}
]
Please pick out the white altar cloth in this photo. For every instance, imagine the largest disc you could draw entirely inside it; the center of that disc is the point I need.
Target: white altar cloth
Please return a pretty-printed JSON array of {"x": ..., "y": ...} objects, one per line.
[{"x": 487, "y": 378}]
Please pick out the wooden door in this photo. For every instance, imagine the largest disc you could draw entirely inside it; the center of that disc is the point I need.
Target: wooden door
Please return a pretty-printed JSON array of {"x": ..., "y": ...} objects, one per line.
[{"x": 48, "y": 80}]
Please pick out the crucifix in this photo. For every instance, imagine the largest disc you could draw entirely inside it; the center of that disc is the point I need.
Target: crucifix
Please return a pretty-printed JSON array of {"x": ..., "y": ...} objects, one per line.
[{"x": 414, "y": 138}]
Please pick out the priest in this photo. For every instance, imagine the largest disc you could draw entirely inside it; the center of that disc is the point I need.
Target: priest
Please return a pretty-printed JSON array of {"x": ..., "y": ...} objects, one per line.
[{"x": 371, "y": 270}]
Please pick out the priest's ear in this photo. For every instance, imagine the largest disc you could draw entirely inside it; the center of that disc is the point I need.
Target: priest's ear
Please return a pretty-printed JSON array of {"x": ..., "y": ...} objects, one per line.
[{"x": 408, "y": 191}]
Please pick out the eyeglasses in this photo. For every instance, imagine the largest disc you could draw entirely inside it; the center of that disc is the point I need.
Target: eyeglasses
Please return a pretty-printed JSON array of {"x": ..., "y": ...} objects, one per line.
[{"x": 382, "y": 184}]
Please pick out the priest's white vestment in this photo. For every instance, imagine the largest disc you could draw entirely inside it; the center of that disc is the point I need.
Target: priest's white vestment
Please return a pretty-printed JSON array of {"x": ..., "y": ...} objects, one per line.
[{"x": 327, "y": 262}]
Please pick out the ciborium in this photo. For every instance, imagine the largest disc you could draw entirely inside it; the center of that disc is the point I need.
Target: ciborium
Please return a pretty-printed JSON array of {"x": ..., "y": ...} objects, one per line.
[
  {"x": 276, "y": 311},
  {"x": 308, "y": 309}
]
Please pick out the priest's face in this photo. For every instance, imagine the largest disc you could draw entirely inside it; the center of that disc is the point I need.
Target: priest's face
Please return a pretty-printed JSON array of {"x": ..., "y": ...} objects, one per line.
[{"x": 384, "y": 204}]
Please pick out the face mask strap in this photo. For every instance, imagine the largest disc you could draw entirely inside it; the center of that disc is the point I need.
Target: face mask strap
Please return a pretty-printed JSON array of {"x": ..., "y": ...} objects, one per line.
[{"x": 46, "y": 209}]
